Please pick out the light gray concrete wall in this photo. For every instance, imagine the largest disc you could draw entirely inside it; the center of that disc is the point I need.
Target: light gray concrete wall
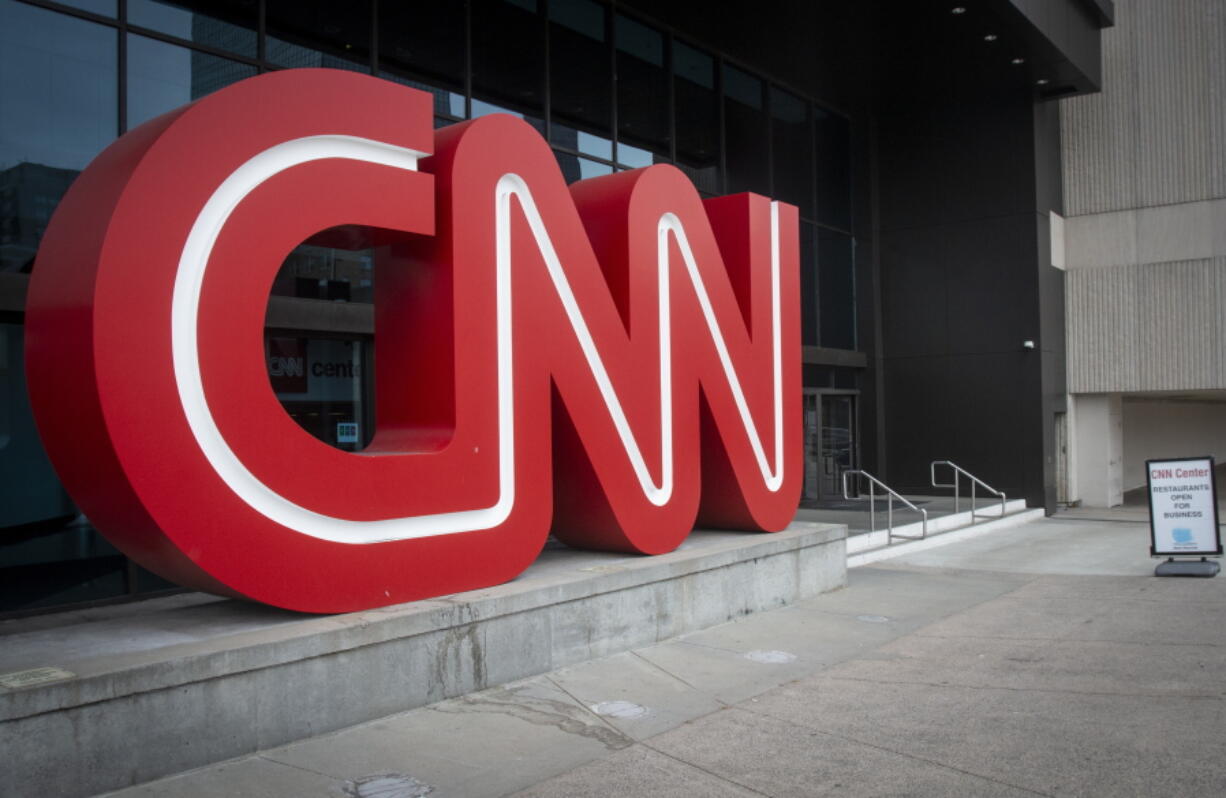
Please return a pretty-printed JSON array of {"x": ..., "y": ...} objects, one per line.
[
  {"x": 1098, "y": 437},
  {"x": 1156, "y": 134},
  {"x": 1156, "y": 428},
  {"x": 1147, "y": 327},
  {"x": 1145, "y": 204}
]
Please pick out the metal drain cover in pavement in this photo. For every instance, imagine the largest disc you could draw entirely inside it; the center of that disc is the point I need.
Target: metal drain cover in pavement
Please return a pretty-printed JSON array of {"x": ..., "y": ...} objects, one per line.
[
  {"x": 624, "y": 710},
  {"x": 771, "y": 657},
  {"x": 387, "y": 785}
]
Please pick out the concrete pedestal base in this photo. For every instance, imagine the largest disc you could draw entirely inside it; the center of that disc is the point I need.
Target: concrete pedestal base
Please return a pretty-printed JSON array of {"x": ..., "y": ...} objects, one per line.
[{"x": 167, "y": 685}]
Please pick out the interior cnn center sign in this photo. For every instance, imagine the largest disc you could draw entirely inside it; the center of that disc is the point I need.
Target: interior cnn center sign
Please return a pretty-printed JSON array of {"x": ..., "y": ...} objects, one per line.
[
  {"x": 613, "y": 361},
  {"x": 1183, "y": 507}
]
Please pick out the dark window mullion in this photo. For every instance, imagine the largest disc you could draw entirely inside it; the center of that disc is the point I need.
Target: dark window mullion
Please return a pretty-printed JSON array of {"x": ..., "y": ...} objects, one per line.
[
  {"x": 468, "y": 59},
  {"x": 374, "y": 37},
  {"x": 77, "y": 12},
  {"x": 672, "y": 97},
  {"x": 611, "y": 27},
  {"x": 261, "y": 47},
  {"x": 547, "y": 97},
  {"x": 723, "y": 135},
  {"x": 121, "y": 64}
]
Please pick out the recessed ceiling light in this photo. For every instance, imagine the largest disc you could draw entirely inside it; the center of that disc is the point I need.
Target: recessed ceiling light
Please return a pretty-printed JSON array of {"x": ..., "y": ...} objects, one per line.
[
  {"x": 1016, "y": 61},
  {"x": 991, "y": 37},
  {"x": 1041, "y": 81},
  {"x": 958, "y": 10}
]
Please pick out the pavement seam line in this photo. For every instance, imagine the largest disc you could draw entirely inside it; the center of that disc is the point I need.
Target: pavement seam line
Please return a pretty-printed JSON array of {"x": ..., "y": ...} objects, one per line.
[
  {"x": 1196, "y": 696},
  {"x": 263, "y": 756},
  {"x": 701, "y": 769},
  {"x": 883, "y": 749},
  {"x": 670, "y": 674}
]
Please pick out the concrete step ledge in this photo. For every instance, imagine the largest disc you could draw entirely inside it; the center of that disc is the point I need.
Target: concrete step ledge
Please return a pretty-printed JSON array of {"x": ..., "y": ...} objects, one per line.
[
  {"x": 863, "y": 555},
  {"x": 172, "y": 684}
]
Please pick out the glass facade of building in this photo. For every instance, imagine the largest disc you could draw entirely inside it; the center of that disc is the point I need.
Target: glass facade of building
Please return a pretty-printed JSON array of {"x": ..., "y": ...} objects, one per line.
[{"x": 609, "y": 91}]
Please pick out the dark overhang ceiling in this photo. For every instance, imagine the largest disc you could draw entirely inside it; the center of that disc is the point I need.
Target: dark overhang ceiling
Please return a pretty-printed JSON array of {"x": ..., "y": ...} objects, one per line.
[{"x": 835, "y": 50}]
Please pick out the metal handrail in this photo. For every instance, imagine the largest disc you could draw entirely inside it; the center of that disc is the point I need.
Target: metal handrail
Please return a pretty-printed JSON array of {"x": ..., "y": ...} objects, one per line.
[
  {"x": 874, "y": 483},
  {"x": 960, "y": 471}
]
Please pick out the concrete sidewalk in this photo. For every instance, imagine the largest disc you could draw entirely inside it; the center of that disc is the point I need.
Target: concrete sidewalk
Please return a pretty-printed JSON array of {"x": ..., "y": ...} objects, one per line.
[{"x": 1039, "y": 660}]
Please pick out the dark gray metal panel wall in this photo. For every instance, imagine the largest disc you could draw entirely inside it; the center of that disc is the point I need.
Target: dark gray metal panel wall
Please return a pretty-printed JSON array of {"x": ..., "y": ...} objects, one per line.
[{"x": 967, "y": 178}]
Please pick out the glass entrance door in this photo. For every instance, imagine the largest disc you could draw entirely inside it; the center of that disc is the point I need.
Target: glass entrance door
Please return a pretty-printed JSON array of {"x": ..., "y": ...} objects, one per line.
[
  {"x": 838, "y": 442},
  {"x": 830, "y": 444}
]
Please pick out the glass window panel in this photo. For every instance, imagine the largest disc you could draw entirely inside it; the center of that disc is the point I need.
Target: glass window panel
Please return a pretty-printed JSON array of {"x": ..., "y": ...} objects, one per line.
[
  {"x": 586, "y": 143},
  {"x": 482, "y": 108},
  {"x": 643, "y": 42},
  {"x": 833, "y": 169},
  {"x": 103, "y": 8},
  {"x": 694, "y": 65},
  {"x": 746, "y": 155},
  {"x": 792, "y": 139},
  {"x": 585, "y": 17},
  {"x": 323, "y": 384},
  {"x": 426, "y": 40},
  {"x": 576, "y": 168},
  {"x": 696, "y": 116},
  {"x": 335, "y": 265},
  {"x": 226, "y": 25},
  {"x": 47, "y": 554},
  {"x": 581, "y": 78},
  {"x": 319, "y": 33},
  {"x": 30, "y": 492},
  {"x": 642, "y": 86},
  {"x": 742, "y": 87},
  {"x": 636, "y": 158},
  {"x": 445, "y": 102},
  {"x": 58, "y": 109},
  {"x": 836, "y": 289},
  {"x": 508, "y": 55},
  {"x": 47, "y": 567},
  {"x": 162, "y": 77}
]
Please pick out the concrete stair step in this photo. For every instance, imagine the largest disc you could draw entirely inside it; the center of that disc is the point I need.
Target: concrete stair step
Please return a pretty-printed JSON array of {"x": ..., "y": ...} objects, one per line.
[{"x": 874, "y": 546}]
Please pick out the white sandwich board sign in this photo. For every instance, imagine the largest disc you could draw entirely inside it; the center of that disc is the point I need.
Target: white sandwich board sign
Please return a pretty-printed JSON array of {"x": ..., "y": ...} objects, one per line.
[{"x": 1183, "y": 508}]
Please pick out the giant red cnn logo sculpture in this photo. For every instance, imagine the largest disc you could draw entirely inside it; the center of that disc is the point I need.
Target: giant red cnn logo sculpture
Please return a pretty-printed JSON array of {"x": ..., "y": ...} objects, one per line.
[{"x": 613, "y": 361}]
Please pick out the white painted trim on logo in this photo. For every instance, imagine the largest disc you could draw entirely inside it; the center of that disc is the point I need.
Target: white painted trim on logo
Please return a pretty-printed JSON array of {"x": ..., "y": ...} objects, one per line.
[{"x": 189, "y": 280}]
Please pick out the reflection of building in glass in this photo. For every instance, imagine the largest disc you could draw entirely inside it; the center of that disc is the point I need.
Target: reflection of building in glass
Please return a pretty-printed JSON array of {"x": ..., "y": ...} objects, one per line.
[
  {"x": 320, "y": 272},
  {"x": 210, "y": 73},
  {"x": 29, "y": 193}
]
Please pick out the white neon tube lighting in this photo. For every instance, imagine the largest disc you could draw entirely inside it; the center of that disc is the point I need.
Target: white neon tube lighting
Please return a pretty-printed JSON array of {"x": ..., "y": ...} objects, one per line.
[{"x": 189, "y": 280}]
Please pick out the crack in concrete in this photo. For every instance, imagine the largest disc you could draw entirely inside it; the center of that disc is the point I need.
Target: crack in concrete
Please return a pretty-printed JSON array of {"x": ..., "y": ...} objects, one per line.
[
  {"x": 268, "y": 758},
  {"x": 701, "y": 769},
  {"x": 670, "y": 674},
  {"x": 887, "y": 750},
  {"x": 558, "y": 714},
  {"x": 583, "y": 707}
]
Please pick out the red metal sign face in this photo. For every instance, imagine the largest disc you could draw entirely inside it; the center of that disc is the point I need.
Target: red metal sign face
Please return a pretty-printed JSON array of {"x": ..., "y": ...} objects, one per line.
[{"x": 614, "y": 361}]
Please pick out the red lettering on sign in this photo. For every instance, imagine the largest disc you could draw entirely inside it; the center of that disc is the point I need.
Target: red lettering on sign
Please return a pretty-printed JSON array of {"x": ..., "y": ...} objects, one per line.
[{"x": 615, "y": 360}]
